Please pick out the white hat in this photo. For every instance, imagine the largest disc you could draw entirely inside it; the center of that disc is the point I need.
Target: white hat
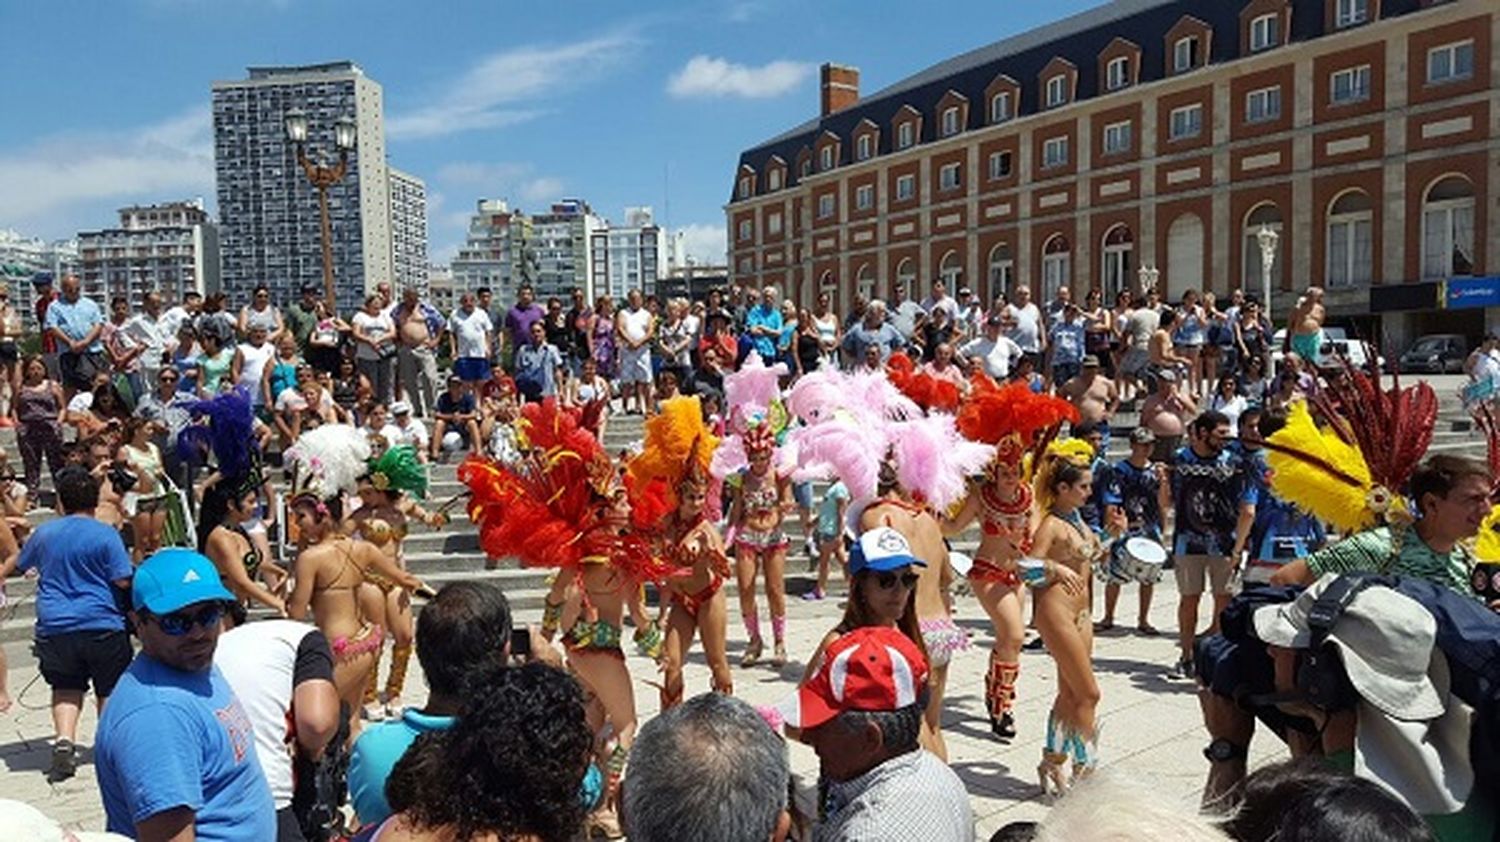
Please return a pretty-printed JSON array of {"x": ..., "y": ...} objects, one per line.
[
  {"x": 1387, "y": 642},
  {"x": 401, "y": 408}
]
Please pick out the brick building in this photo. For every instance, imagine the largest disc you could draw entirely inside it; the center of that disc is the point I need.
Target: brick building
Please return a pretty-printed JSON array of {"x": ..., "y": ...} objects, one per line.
[{"x": 1162, "y": 134}]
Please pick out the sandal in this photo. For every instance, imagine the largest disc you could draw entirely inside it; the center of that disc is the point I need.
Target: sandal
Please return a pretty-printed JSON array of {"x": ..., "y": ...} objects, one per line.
[
  {"x": 1147, "y": 629},
  {"x": 752, "y": 652},
  {"x": 1104, "y": 625},
  {"x": 778, "y": 655}
]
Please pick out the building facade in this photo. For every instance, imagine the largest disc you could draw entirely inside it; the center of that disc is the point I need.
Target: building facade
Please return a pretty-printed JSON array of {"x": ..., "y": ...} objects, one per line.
[
  {"x": 408, "y": 230},
  {"x": 628, "y": 256},
  {"x": 270, "y": 226},
  {"x": 23, "y": 257},
  {"x": 1159, "y": 134},
  {"x": 171, "y": 249},
  {"x": 440, "y": 288},
  {"x": 562, "y": 244},
  {"x": 494, "y": 255}
]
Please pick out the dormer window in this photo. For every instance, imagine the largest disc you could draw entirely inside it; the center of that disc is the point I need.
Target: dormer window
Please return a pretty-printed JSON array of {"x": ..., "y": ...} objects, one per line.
[
  {"x": 774, "y": 180},
  {"x": 1264, "y": 33},
  {"x": 862, "y": 148},
  {"x": 904, "y": 136},
  {"x": 806, "y": 168},
  {"x": 1352, "y": 13},
  {"x": 825, "y": 159},
  {"x": 746, "y": 185},
  {"x": 1184, "y": 54},
  {"x": 1000, "y": 107},
  {"x": 1057, "y": 91},
  {"x": 950, "y": 121},
  {"x": 1117, "y": 74}
]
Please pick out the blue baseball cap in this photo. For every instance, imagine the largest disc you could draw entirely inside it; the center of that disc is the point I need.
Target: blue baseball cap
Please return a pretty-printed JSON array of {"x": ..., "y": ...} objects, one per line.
[
  {"x": 174, "y": 578},
  {"x": 882, "y": 549},
  {"x": 41, "y": 279}
]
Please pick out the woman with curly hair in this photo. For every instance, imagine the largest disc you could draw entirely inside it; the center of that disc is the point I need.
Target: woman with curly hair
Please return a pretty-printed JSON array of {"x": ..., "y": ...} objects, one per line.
[
  {"x": 385, "y": 512},
  {"x": 1067, "y": 548},
  {"x": 510, "y": 768}
]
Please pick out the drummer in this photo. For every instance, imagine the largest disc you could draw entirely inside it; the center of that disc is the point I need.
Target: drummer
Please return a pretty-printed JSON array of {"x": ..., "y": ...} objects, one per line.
[
  {"x": 1139, "y": 489},
  {"x": 1282, "y": 532}
]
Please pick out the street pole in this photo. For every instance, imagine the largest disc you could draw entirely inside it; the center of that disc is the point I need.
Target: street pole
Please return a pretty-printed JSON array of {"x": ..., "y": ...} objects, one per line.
[
  {"x": 327, "y": 230},
  {"x": 1267, "y": 240},
  {"x": 322, "y": 178}
]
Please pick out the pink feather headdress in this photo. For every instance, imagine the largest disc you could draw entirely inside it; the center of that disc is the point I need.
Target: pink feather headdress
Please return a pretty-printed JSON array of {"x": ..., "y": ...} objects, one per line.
[
  {"x": 933, "y": 460},
  {"x": 750, "y": 392}
]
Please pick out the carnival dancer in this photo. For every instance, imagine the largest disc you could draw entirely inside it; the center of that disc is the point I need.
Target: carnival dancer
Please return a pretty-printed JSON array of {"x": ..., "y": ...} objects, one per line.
[
  {"x": 563, "y": 506},
  {"x": 1068, "y": 549},
  {"x": 330, "y": 565},
  {"x": 383, "y": 518},
  {"x": 673, "y": 464},
  {"x": 760, "y": 494},
  {"x": 1017, "y": 421}
]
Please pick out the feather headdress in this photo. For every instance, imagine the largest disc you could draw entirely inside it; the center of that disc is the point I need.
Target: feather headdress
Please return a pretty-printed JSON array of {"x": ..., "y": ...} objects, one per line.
[
  {"x": 845, "y": 448},
  {"x": 1320, "y": 472},
  {"x": 551, "y": 507},
  {"x": 751, "y": 391},
  {"x": 1075, "y": 451},
  {"x": 328, "y": 461},
  {"x": 933, "y": 461},
  {"x": 399, "y": 469},
  {"x": 926, "y": 391},
  {"x": 677, "y": 449},
  {"x": 1012, "y": 417},
  {"x": 228, "y": 433}
]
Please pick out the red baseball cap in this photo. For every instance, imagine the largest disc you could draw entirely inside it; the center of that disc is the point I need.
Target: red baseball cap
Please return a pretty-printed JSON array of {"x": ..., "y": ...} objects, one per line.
[{"x": 872, "y": 669}]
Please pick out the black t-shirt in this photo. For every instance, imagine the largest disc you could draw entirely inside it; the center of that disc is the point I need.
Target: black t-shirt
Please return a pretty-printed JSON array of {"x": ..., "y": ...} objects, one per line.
[
  {"x": 447, "y": 405},
  {"x": 809, "y": 351}
]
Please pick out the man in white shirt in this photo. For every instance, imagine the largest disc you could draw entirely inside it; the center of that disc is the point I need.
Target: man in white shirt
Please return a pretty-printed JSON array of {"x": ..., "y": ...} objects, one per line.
[
  {"x": 904, "y": 314},
  {"x": 149, "y": 329},
  {"x": 970, "y": 313},
  {"x": 470, "y": 336},
  {"x": 181, "y": 314},
  {"x": 993, "y": 351},
  {"x": 940, "y": 300},
  {"x": 409, "y": 430},
  {"x": 1026, "y": 324}
]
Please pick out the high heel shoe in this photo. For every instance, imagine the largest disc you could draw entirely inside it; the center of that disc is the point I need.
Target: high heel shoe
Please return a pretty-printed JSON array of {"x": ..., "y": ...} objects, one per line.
[
  {"x": 752, "y": 652},
  {"x": 1050, "y": 774},
  {"x": 778, "y": 655},
  {"x": 1004, "y": 727}
]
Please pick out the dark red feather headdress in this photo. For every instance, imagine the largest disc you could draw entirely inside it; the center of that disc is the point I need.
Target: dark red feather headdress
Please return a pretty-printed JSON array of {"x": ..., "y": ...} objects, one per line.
[
  {"x": 1015, "y": 419},
  {"x": 926, "y": 391}
]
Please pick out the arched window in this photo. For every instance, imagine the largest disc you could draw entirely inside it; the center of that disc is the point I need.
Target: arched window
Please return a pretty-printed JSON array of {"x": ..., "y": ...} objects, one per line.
[
  {"x": 1267, "y": 215},
  {"x": 1119, "y": 261},
  {"x": 1350, "y": 244},
  {"x": 864, "y": 282},
  {"x": 1057, "y": 265},
  {"x": 1002, "y": 271},
  {"x": 906, "y": 275},
  {"x": 1184, "y": 256},
  {"x": 1448, "y": 229},
  {"x": 951, "y": 270}
]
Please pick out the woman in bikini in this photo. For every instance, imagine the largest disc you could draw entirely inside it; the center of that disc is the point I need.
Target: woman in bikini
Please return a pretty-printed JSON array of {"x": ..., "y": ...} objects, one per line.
[
  {"x": 674, "y": 463},
  {"x": 227, "y": 505},
  {"x": 1068, "y": 549},
  {"x": 760, "y": 499},
  {"x": 383, "y": 518},
  {"x": 1014, "y": 420}
]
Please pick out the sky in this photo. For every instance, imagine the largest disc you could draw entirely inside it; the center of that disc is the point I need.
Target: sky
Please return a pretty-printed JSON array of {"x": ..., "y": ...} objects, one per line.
[{"x": 107, "y": 102}]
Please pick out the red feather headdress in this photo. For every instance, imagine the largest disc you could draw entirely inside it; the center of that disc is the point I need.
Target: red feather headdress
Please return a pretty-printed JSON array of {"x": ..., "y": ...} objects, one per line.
[
  {"x": 926, "y": 391},
  {"x": 1012, "y": 417}
]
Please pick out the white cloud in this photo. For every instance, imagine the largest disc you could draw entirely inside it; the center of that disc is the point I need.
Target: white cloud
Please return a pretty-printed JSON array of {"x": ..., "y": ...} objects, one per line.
[
  {"x": 40, "y": 184},
  {"x": 516, "y": 181},
  {"x": 544, "y": 189},
  {"x": 705, "y": 244},
  {"x": 509, "y": 87},
  {"x": 744, "y": 12},
  {"x": 706, "y": 76}
]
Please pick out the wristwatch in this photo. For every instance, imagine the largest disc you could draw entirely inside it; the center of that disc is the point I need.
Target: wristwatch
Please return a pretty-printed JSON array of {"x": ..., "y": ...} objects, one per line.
[{"x": 1223, "y": 751}]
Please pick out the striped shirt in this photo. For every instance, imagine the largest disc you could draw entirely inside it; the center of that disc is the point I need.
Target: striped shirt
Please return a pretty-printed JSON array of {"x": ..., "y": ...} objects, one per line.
[{"x": 1375, "y": 551}]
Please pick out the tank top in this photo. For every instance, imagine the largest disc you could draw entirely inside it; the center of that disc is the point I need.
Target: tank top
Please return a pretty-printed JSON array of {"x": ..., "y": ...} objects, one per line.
[
  {"x": 253, "y": 365},
  {"x": 828, "y": 328},
  {"x": 146, "y": 461},
  {"x": 636, "y": 324},
  {"x": 215, "y": 369},
  {"x": 283, "y": 377},
  {"x": 36, "y": 404}
]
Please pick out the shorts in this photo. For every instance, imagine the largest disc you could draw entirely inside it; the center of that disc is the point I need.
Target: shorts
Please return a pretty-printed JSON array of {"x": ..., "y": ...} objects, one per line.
[
  {"x": 78, "y": 370},
  {"x": 822, "y": 538},
  {"x": 802, "y": 492},
  {"x": 1134, "y": 362},
  {"x": 1192, "y": 570},
  {"x": 942, "y": 637},
  {"x": 9, "y": 351},
  {"x": 471, "y": 369},
  {"x": 635, "y": 365},
  {"x": 757, "y": 541},
  {"x": 1164, "y": 447},
  {"x": 1307, "y": 345},
  {"x": 73, "y": 660}
]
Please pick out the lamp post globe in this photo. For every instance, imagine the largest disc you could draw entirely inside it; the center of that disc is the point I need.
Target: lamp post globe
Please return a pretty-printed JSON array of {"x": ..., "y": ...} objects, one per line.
[
  {"x": 296, "y": 125},
  {"x": 344, "y": 133},
  {"x": 1267, "y": 239}
]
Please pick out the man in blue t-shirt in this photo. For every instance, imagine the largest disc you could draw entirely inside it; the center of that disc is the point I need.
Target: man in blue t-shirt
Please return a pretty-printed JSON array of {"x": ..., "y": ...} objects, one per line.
[
  {"x": 1214, "y": 503},
  {"x": 455, "y": 413},
  {"x": 83, "y": 575},
  {"x": 175, "y": 753},
  {"x": 464, "y": 627},
  {"x": 1137, "y": 488}
]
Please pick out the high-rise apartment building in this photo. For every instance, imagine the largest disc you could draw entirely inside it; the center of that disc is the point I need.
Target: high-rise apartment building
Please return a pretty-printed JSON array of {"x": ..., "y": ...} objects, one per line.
[
  {"x": 562, "y": 241},
  {"x": 628, "y": 256},
  {"x": 408, "y": 230},
  {"x": 268, "y": 211},
  {"x": 494, "y": 255},
  {"x": 23, "y": 257},
  {"x": 440, "y": 289},
  {"x": 1163, "y": 135},
  {"x": 170, "y": 248}
]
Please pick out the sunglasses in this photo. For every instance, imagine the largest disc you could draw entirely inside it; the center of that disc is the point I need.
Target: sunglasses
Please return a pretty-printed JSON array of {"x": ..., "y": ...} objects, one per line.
[
  {"x": 887, "y": 580},
  {"x": 179, "y": 623}
]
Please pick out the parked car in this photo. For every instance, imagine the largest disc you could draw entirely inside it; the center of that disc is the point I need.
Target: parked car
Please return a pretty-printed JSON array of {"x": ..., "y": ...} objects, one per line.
[
  {"x": 1436, "y": 353},
  {"x": 1336, "y": 349}
]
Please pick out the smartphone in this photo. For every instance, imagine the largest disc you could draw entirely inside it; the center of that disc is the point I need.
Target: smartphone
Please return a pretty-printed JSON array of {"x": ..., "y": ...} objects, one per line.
[{"x": 520, "y": 643}]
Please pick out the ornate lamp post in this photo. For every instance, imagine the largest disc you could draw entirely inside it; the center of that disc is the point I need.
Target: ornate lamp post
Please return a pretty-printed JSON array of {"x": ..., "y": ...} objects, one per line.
[
  {"x": 322, "y": 177},
  {"x": 1149, "y": 275},
  {"x": 1267, "y": 239}
]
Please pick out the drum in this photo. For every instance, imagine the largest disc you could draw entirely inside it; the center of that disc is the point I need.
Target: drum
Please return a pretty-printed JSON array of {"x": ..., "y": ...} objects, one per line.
[
  {"x": 1143, "y": 560},
  {"x": 1486, "y": 580},
  {"x": 960, "y": 563},
  {"x": 1033, "y": 572}
]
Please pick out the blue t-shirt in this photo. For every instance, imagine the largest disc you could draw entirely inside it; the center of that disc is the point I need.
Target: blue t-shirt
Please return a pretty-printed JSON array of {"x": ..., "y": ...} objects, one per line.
[
  {"x": 171, "y": 739},
  {"x": 828, "y": 510},
  {"x": 762, "y": 315},
  {"x": 1067, "y": 342},
  {"x": 1206, "y": 494},
  {"x": 77, "y": 559},
  {"x": 76, "y": 320},
  {"x": 375, "y": 754},
  {"x": 1135, "y": 490}
]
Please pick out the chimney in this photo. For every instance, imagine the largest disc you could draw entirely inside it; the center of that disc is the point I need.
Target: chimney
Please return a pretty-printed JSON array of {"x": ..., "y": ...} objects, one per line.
[{"x": 840, "y": 86}]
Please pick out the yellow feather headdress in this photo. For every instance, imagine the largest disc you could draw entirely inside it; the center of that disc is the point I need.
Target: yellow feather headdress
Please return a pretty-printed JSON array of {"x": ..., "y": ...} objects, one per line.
[{"x": 1320, "y": 472}]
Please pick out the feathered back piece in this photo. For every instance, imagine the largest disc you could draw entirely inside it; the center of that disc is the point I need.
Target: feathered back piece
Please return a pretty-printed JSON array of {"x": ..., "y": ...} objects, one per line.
[
  {"x": 1485, "y": 418},
  {"x": 1322, "y": 473},
  {"x": 1392, "y": 427},
  {"x": 228, "y": 434},
  {"x": 1012, "y": 417},
  {"x": 550, "y": 507},
  {"x": 398, "y": 469},
  {"x": 328, "y": 461},
  {"x": 923, "y": 389},
  {"x": 751, "y": 392},
  {"x": 933, "y": 461},
  {"x": 1075, "y": 451},
  {"x": 678, "y": 448}
]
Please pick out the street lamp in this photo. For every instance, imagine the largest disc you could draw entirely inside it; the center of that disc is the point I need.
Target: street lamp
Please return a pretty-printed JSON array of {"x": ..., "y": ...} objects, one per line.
[
  {"x": 1149, "y": 276},
  {"x": 322, "y": 178},
  {"x": 1267, "y": 239}
]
